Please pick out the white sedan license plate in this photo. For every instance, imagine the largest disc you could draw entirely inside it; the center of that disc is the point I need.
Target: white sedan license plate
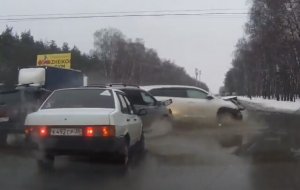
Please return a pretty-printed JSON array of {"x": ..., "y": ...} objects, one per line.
[{"x": 66, "y": 132}]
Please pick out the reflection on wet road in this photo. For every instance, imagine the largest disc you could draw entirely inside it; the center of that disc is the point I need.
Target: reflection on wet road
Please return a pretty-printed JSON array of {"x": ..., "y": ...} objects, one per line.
[{"x": 180, "y": 159}]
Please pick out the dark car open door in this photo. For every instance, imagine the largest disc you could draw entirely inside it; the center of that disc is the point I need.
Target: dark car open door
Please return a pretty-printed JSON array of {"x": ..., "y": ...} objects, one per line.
[{"x": 143, "y": 100}]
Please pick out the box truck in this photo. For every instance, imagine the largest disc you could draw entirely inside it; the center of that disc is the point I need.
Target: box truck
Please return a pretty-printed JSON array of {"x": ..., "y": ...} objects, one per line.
[{"x": 34, "y": 86}]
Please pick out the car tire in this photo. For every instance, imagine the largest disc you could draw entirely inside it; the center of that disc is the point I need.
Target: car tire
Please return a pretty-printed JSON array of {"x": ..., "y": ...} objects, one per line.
[
  {"x": 46, "y": 162},
  {"x": 224, "y": 119},
  {"x": 141, "y": 144},
  {"x": 124, "y": 155},
  {"x": 3, "y": 138}
]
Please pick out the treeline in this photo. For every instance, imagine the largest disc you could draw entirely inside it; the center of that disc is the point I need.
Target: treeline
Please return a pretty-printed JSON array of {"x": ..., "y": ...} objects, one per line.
[
  {"x": 266, "y": 61},
  {"x": 113, "y": 59}
]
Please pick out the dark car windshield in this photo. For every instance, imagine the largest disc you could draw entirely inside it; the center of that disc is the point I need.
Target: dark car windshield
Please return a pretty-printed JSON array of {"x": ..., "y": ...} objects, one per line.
[
  {"x": 138, "y": 97},
  {"x": 80, "y": 98},
  {"x": 9, "y": 97}
]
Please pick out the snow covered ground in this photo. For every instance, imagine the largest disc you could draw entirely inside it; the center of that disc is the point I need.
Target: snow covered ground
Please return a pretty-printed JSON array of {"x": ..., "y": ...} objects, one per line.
[{"x": 272, "y": 105}]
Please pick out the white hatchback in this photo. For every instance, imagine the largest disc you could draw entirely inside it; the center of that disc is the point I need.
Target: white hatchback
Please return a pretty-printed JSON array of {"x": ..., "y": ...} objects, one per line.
[{"x": 85, "y": 121}]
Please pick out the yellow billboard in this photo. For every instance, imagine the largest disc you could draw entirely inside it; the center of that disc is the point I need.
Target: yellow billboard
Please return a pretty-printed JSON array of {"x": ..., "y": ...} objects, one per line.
[{"x": 62, "y": 60}]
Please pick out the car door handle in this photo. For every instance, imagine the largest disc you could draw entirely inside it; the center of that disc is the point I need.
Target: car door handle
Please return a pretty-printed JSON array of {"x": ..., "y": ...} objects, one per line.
[
  {"x": 134, "y": 119},
  {"x": 128, "y": 120}
]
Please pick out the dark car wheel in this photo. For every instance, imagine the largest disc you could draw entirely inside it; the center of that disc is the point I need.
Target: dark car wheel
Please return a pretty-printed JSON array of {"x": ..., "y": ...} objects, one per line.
[
  {"x": 123, "y": 158},
  {"x": 3, "y": 138},
  {"x": 224, "y": 118},
  {"x": 46, "y": 162},
  {"x": 141, "y": 144}
]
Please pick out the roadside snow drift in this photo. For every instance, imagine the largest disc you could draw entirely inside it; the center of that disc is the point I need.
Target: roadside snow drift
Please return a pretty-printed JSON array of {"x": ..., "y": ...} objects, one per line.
[{"x": 272, "y": 105}]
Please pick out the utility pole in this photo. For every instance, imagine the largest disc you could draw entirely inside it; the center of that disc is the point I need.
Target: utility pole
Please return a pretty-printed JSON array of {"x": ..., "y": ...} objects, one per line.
[
  {"x": 198, "y": 75},
  {"x": 198, "y": 72}
]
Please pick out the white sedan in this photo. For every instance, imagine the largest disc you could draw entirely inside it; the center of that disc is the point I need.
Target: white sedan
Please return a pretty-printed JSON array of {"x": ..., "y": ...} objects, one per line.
[
  {"x": 85, "y": 121},
  {"x": 195, "y": 105}
]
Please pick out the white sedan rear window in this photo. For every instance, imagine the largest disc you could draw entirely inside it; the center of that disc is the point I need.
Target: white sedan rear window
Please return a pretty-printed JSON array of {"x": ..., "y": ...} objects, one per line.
[{"x": 80, "y": 98}]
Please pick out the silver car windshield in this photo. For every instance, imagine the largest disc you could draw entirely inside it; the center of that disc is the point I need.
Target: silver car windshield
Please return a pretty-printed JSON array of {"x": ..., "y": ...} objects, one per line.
[{"x": 179, "y": 93}]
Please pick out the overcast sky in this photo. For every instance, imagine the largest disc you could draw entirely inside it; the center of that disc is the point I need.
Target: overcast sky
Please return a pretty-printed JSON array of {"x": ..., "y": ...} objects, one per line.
[{"x": 204, "y": 42}]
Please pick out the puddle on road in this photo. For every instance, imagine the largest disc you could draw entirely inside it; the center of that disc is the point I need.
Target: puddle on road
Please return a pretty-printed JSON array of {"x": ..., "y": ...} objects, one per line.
[
  {"x": 158, "y": 128},
  {"x": 192, "y": 147},
  {"x": 208, "y": 146},
  {"x": 211, "y": 146}
]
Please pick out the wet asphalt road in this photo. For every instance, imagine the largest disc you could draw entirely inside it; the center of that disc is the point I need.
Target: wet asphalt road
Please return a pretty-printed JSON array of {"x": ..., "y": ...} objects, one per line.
[{"x": 178, "y": 159}]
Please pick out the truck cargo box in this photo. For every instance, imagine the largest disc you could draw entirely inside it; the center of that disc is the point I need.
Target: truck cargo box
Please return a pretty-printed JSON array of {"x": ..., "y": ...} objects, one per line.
[{"x": 51, "y": 78}]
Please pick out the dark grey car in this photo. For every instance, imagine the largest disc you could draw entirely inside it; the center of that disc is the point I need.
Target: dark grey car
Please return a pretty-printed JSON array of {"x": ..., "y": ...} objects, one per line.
[{"x": 157, "y": 111}]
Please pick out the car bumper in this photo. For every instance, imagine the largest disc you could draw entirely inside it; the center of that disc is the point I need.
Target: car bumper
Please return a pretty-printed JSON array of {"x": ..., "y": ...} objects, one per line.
[{"x": 79, "y": 145}]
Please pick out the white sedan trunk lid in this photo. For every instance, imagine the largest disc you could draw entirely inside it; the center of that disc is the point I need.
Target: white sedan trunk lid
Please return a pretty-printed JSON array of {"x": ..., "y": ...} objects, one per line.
[{"x": 70, "y": 116}]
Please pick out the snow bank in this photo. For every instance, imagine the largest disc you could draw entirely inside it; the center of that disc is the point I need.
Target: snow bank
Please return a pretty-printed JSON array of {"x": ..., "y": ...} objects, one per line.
[{"x": 272, "y": 105}]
